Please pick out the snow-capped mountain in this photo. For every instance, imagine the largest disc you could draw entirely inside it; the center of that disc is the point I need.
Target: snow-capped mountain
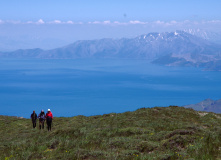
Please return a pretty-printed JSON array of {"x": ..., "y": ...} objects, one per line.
[
  {"x": 214, "y": 37},
  {"x": 148, "y": 46}
]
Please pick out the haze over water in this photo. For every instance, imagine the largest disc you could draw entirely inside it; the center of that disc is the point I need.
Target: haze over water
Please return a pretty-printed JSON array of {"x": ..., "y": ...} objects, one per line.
[{"x": 97, "y": 86}]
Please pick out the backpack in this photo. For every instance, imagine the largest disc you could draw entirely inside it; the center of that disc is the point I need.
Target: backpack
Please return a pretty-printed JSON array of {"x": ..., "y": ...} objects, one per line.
[{"x": 42, "y": 116}]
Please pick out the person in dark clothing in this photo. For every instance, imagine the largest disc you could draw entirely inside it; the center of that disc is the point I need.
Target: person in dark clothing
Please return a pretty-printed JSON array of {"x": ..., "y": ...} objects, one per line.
[
  {"x": 42, "y": 118},
  {"x": 34, "y": 118},
  {"x": 49, "y": 118}
]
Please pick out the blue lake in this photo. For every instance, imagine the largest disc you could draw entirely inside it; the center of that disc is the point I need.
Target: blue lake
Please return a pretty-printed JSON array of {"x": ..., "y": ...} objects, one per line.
[{"x": 92, "y": 87}]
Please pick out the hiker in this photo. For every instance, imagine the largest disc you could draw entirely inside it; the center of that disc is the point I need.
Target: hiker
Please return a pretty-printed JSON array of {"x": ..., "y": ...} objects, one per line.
[
  {"x": 49, "y": 118},
  {"x": 34, "y": 118},
  {"x": 42, "y": 118}
]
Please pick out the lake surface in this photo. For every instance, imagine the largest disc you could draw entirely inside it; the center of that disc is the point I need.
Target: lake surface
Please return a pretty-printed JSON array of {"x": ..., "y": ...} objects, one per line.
[{"x": 92, "y": 87}]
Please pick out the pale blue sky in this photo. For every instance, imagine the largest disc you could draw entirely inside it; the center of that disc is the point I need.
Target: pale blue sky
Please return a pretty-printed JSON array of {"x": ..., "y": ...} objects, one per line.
[
  {"x": 54, "y": 23},
  {"x": 114, "y": 10}
]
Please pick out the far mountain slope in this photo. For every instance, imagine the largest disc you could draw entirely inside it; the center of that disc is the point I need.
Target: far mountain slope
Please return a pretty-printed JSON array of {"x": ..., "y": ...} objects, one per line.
[{"x": 207, "y": 105}]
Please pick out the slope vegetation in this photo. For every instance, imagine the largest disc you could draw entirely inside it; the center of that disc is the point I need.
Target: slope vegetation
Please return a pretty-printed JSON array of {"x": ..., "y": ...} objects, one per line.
[{"x": 147, "y": 133}]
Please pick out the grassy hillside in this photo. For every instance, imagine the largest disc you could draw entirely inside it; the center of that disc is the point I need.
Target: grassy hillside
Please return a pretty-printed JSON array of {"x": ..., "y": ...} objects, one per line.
[{"x": 147, "y": 133}]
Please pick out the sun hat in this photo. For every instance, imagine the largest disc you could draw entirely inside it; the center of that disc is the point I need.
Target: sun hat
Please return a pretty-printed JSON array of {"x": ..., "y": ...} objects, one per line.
[{"x": 49, "y": 110}]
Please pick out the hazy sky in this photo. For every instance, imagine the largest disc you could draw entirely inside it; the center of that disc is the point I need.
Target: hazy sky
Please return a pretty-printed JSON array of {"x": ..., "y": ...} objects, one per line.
[
  {"x": 53, "y": 23},
  {"x": 114, "y": 10}
]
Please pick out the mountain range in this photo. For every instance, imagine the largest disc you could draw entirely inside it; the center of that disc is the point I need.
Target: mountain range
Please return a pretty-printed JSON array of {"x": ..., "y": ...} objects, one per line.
[
  {"x": 207, "y": 105},
  {"x": 177, "y": 48}
]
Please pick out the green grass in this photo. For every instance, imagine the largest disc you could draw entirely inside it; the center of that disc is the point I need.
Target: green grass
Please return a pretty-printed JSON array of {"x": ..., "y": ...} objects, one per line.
[{"x": 165, "y": 133}]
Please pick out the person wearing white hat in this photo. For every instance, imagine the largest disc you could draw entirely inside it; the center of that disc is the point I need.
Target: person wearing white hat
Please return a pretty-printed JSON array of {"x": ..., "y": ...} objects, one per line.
[{"x": 49, "y": 118}]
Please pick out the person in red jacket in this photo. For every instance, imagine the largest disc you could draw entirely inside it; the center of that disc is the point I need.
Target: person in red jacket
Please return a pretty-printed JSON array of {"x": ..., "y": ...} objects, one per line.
[{"x": 49, "y": 118}]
